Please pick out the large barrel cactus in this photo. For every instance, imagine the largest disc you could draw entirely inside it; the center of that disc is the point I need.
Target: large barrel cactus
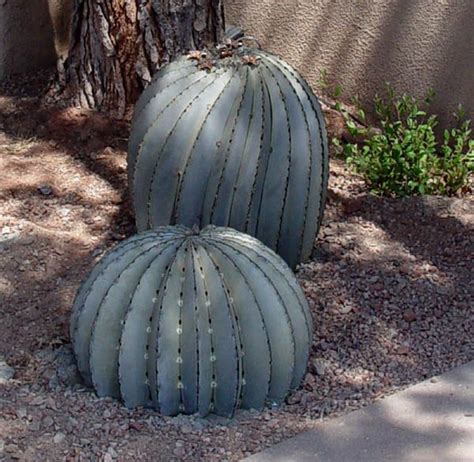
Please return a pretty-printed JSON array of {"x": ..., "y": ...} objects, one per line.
[
  {"x": 188, "y": 321},
  {"x": 233, "y": 138}
]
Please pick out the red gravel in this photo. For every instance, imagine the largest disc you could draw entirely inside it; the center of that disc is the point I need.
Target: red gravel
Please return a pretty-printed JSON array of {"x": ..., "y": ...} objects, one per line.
[{"x": 389, "y": 287}]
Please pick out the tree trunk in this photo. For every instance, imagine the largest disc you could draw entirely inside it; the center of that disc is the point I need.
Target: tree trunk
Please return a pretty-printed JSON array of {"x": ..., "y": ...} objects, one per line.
[{"x": 117, "y": 45}]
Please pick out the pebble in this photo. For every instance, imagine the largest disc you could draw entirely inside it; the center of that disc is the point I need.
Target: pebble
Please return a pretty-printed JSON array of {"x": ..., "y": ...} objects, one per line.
[
  {"x": 6, "y": 372},
  {"x": 46, "y": 190},
  {"x": 48, "y": 421},
  {"x": 12, "y": 449},
  {"x": 112, "y": 452},
  {"x": 179, "y": 452},
  {"x": 21, "y": 413},
  {"x": 370, "y": 265},
  {"x": 320, "y": 366},
  {"x": 409, "y": 315},
  {"x": 59, "y": 438},
  {"x": 403, "y": 350}
]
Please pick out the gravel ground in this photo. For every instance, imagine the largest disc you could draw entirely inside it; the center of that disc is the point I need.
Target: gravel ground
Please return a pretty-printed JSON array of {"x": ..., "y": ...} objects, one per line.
[{"x": 389, "y": 287}]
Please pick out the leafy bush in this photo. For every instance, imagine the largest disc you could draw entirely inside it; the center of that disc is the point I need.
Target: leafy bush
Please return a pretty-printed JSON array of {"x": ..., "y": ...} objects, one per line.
[{"x": 404, "y": 157}]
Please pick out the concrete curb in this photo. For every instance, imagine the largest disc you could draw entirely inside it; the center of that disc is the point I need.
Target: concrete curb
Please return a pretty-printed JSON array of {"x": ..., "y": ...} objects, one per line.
[{"x": 430, "y": 421}]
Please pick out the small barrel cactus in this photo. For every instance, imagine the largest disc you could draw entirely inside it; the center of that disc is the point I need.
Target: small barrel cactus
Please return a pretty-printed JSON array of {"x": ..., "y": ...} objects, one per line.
[
  {"x": 186, "y": 321},
  {"x": 233, "y": 138}
]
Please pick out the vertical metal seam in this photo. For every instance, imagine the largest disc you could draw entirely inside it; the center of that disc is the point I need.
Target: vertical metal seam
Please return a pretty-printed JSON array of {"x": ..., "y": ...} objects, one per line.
[
  {"x": 181, "y": 181},
  {"x": 264, "y": 252},
  {"x": 260, "y": 150},
  {"x": 150, "y": 129},
  {"x": 322, "y": 135},
  {"x": 239, "y": 349},
  {"x": 213, "y": 206},
  {"x": 157, "y": 352},
  {"x": 165, "y": 247},
  {"x": 245, "y": 148},
  {"x": 212, "y": 241},
  {"x": 308, "y": 189},
  {"x": 211, "y": 338},
  {"x": 101, "y": 304}
]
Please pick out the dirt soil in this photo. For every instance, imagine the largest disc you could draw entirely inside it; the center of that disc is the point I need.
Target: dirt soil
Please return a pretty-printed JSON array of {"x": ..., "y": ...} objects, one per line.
[{"x": 390, "y": 288}]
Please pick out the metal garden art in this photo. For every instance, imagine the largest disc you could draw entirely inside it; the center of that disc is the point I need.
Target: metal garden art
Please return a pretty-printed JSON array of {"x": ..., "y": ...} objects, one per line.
[
  {"x": 232, "y": 137},
  {"x": 190, "y": 321}
]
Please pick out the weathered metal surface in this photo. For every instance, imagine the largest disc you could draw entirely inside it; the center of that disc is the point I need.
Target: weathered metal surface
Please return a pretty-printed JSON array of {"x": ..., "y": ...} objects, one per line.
[
  {"x": 232, "y": 141},
  {"x": 188, "y": 322}
]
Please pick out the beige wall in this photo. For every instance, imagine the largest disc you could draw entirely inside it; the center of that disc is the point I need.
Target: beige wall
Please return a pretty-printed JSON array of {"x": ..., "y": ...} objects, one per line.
[
  {"x": 414, "y": 44},
  {"x": 26, "y": 36}
]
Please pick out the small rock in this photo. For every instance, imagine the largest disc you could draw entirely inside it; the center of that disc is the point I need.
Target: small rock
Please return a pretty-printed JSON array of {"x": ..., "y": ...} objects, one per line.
[
  {"x": 45, "y": 189},
  {"x": 59, "y": 438},
  {"x": 186, "y": 429},
  {"x": 34, "y": 426},
  {"x": 179, "y": 452},
  {"x": 320, "y": 366},
  {"x": 12, "y": 449},
  {"x": 6, "y": 372},
  {"x": 295, "y": 398},
  {"x": 345, "y": 309},
  {"x": 37, "y": 401},
  {"x": 21, "y": 413},
  {"x": 353, "y": 205},
  {"x": 403, "y": 350},
  {"x": 108, "y": 457},
  {"x": 112, "y": 452},
  {"x": 48, "y": 421},
  {"x": 409, "y": 315},
  {"x": 66, "y": 373}
]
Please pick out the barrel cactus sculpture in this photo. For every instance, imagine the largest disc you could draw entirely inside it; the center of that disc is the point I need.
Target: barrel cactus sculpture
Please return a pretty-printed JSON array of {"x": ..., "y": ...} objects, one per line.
[
  {"x": 186, "y": 321},
  {"x": 232, "y": 138}
]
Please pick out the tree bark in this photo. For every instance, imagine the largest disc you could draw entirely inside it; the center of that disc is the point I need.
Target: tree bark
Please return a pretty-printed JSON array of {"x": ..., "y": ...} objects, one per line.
[{"x": 117, "y": 45}]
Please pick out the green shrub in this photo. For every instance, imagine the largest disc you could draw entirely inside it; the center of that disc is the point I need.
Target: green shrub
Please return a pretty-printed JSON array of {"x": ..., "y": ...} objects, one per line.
[{"x": 404, "y": 157}]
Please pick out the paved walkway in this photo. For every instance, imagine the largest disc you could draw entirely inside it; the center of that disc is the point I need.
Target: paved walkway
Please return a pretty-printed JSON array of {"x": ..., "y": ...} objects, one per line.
[{"x": 432, "y": 421}]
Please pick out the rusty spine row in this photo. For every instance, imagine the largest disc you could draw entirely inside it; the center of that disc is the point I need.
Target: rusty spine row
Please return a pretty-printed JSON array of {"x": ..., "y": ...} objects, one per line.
[
  {"x": 240, "y": 146},
  {"x": 186, "y": 322}
]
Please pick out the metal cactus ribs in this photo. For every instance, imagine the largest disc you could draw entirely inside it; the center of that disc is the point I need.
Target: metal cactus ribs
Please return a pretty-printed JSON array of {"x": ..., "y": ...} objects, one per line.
[
  {"x": 232, "y": 137},
  {"x": 186, "y": 321}
]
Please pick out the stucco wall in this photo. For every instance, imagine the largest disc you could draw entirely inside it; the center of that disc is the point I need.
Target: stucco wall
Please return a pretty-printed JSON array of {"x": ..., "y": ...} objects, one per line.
[
  {"x": 413, "y": 44},
  {"x": 26, "y": 36}
]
